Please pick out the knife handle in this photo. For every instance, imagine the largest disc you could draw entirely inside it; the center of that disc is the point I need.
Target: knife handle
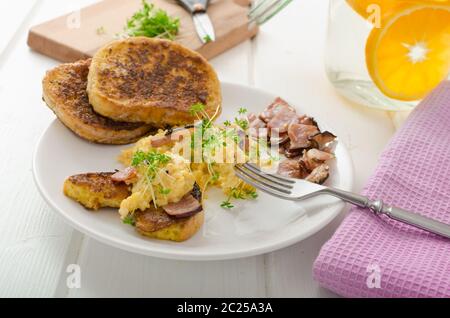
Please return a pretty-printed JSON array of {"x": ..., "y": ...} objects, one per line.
[{"x": 194, "y": 6}]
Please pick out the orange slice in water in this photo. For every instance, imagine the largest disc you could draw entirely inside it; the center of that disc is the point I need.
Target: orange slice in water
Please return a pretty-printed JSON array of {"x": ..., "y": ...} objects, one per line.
[
  {"x": 365, "y": 7},
  {"x": 410, "y": 55}
]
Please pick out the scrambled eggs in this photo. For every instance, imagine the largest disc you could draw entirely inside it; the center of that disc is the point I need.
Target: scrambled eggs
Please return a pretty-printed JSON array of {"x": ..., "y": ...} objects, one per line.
[{"x": 172, "y": 172}]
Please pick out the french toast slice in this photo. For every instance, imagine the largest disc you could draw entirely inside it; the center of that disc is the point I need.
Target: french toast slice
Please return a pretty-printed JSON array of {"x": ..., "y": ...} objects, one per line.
[
  {"x": 151, "y": 80},
  {"x": 64, "y": 92},
  {"x": 156, "y": 223},
  {"x": 96, "y": 190}
]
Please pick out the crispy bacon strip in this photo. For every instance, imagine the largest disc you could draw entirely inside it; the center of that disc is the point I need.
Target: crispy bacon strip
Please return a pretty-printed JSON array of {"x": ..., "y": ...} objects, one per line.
[
  {"x": 291, "y": 168},
  {"x": 300, "y": 135},
  {"x": 277, "y": 105},
  {"x": 187, "y": 206},
  {"x": 314, "y": 158},
  {"x": 300, "y": 140},
  {"x": 322, "y": 140},
  {"x": 176, "y": 136},
  {"x": 319, "y": 174},
  {"x": 281, "y": 120},
  {"x": 127, "y": 175}
]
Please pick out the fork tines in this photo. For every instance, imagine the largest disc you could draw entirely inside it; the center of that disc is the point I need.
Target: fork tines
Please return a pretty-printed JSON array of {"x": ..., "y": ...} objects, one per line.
[{"x": 272, "y": 184}]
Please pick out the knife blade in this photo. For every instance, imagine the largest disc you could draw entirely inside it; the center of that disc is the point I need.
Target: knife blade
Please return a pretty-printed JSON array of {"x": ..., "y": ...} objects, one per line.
[
  {"x": 204, "y": 27},
  {"x": 202, "y": 22}
]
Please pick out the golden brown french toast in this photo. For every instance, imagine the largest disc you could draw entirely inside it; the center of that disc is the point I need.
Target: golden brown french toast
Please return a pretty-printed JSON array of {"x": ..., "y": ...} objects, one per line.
[
  {"x": 64, "y": 91},
  {"x": 156, "y": 223},
  {"x": 96, "y": 190},
  {"x": 151, "y": 80}
]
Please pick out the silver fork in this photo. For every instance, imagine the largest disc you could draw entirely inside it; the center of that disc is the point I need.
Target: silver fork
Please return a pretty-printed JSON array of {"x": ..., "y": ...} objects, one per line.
[
  {"x": 298, "y": 190},
  {"x": 262, "y": 10}
]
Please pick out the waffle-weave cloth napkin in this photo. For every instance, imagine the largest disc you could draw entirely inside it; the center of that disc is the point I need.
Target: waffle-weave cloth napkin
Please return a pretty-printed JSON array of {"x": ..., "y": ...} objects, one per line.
[{"x": 372, "y": 256}]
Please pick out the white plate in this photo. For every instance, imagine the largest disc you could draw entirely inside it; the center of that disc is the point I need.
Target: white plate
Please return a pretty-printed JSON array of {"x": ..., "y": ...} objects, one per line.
[{"x": 251, "y": 228}]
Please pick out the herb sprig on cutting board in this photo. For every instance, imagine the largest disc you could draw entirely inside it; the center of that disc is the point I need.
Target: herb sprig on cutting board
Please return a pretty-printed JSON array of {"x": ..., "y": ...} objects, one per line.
[{"x": 152, "y": 22}]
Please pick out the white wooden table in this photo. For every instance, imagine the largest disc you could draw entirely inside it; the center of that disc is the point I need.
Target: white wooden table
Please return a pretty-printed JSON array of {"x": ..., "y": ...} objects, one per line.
[{"x": 36, "y": 245}]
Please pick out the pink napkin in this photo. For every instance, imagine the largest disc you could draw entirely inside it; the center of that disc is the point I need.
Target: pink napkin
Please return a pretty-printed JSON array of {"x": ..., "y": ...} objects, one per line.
[{"x": 372, "y": 256}]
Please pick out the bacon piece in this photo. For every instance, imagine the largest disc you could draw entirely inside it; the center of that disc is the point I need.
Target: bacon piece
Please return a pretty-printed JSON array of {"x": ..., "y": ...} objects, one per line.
[
  {"x": 319, "y": 174},
  {"x": 322, "y": 140},
  {"x": 257, "y": 123},
  {"x": 305, "y": 120},
  {"x": 318, "y": 155},
  {"x": 300, "y": 135},
  {"x": 314, "y": 158},
  {"x": 283, "y": 147},
  {"x": 127, "y": 175},
  {"x": 152, "y": 219},
  {"x": 293, "y": 153},
  {"x": 281, "y": 120},
  {"x": 251, "y": 117},
  {"x": 277, "y": 105},
  {"x": 291, "y": 168},
  {"x": 159, "y": 141},
  {"x": 258, "y": 128},
  {"x": 280, "y": 139},
  {"x": 187, "y": 206}
]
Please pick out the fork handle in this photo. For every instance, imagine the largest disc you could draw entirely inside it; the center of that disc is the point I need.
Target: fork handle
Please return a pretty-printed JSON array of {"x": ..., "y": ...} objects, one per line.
[
  {"x": 404, "y": 216},
  {"x": 417, "y": 220}
]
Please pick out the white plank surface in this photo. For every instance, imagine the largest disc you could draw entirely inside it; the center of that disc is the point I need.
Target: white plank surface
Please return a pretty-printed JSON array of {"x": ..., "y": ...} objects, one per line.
[
  {"x": 13, "y": 22},
  {"x": 36, "y": 246},
  {"x": 34, "y": 242}
]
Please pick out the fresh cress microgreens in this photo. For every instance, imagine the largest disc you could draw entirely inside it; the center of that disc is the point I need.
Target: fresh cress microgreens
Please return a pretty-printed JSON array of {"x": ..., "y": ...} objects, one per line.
[
  {"x": 198, "y": 109},
  {"x": 152, "y": 160},
  {"x": 241, "y": 122},
  {"x": 242, "y": 111},
  {"x": 164, "y": 191},
  {"x": 129, "y": 219},
  {"x": 226, "y": 204},
  {"x": 213, "y": 137},
  {"x": 152, "y": 22},
  {"x": 239, "y": 192},
  {"x": 242, "y": 193},
  {"x": 207, "y": 38}
]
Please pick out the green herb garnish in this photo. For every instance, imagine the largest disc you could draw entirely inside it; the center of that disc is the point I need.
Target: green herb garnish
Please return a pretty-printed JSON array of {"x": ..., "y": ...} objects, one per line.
[
  {"x": 242, "y": 111},
  {"x": 164, "y": 191},
  {"x": 242, "y": 123},
  {"x": 215, "y": 176},
  {"x": 227, "y": 204},
  {"x": 207, "y": 38},
  {"x": 152, "y": 160},
  {"x": 197, "y": 109},
  {"x": 239, "y": 193},
  {"x": 243, "y": 194},
  {"x": 152, "y": 22},
  {"x": 129, "y": 219}
]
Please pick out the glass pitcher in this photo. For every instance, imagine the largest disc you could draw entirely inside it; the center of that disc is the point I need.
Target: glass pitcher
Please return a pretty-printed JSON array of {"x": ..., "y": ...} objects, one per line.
[{"x": 388, "y": 54}]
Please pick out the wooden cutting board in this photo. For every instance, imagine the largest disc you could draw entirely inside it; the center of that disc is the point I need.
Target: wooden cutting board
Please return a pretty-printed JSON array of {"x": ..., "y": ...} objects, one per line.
[{"x": 80, "y": 34}]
